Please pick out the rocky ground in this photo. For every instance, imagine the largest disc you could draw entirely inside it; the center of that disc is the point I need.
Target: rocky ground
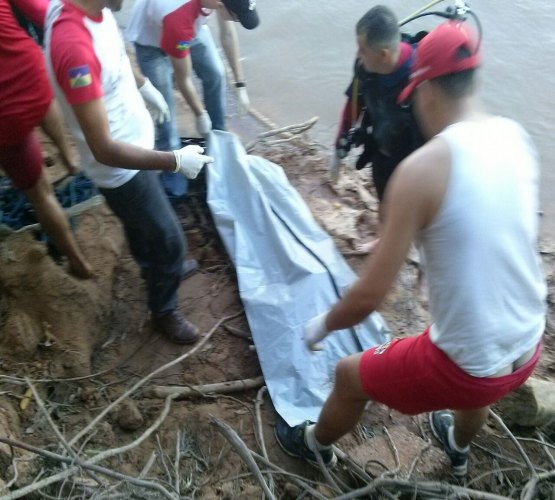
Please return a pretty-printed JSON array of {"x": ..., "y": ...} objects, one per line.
[{"x": 83, "y": 376}]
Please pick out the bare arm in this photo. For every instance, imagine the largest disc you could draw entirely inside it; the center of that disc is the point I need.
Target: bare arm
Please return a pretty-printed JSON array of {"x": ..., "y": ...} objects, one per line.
[
  {"x": 183, "y": 70},
  {"x": 230, "y": 44},
  {"x": 139, "y": 77},
  {"x": 94, "y": 123},
  {"x": 414, "y": 195}
]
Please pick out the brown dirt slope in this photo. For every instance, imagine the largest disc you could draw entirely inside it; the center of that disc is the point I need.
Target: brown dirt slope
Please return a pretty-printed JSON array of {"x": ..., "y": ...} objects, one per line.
[{"x": 83, "y": 345}]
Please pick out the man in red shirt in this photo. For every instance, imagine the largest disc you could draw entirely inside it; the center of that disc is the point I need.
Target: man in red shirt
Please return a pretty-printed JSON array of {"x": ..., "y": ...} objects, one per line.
[
  {"x": 26, "y": 100},
  {"x": 171, "y": 40},
  {"x": 114, "y": 134}
]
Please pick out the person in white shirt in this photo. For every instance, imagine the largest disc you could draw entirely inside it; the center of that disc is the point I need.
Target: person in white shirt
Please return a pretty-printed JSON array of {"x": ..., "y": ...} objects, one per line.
[
  {"x": 469, "y": 197},
  {"x": 171, "y": 40},
  {"x": 114, "y": 134}
]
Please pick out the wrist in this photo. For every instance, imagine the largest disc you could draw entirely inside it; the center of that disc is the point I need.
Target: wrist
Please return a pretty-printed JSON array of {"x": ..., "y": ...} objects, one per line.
[
  {"x": 176, "y": 157},
  {"x": 144, "y": 85},
  {"x": 240, "y": 85}
]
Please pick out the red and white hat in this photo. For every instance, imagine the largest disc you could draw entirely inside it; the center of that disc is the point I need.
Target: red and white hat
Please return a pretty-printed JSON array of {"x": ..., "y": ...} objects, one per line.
[{"x": 452, "y": 47}]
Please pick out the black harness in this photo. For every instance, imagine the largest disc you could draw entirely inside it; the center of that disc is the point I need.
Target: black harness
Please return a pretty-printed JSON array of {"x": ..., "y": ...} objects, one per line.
[{"x": 387, "y": 130}]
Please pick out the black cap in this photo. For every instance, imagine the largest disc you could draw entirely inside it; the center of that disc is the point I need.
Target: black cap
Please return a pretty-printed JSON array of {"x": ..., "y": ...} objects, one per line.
[{"x": 245, "y": 11}]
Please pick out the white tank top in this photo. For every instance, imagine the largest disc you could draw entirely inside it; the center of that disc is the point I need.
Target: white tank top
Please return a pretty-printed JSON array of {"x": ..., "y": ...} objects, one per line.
[{"x": 487, "y": 288}]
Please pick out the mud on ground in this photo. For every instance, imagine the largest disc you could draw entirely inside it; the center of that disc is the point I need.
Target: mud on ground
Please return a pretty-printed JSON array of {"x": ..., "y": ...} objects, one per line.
[{"x": 82, "y": 344}]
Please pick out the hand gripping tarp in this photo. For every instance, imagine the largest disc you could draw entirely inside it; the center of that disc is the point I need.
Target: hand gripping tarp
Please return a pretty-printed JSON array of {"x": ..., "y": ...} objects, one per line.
[{"x": 288, "y": 271}]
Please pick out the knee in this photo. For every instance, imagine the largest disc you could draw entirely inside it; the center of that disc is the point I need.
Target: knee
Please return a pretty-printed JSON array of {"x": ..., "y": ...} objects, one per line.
[
  {"x": 41, "y": 190},
  {"x": 214, "y": 77},
  {"x": 175, "y": 245},
  {"x": 347, "y": 378}
]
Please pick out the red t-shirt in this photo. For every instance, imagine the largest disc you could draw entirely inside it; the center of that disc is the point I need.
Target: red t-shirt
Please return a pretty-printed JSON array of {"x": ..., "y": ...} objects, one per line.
[
  {"x": 35, "y": 10},
  {"x": 74, "y": 61},
  {"x": 167, "y": 24},
  {"x": 25, "y": 93}
]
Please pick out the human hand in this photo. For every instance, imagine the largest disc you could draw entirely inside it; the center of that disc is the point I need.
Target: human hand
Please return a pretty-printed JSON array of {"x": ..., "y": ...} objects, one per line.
[
  {"x": 243, "y": 101},
  {"x": 204, "y": 124},
  {"x": 190, "y": 160},
  {"x": 151, "y": 95},
  {"x": 315, "y": 331}
]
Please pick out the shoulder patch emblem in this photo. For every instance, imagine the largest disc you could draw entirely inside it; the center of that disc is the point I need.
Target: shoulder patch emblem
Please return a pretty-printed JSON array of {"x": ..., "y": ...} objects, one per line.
[
  {"x": 183, "y": 45},
  {"x": 79, "y": 77}
]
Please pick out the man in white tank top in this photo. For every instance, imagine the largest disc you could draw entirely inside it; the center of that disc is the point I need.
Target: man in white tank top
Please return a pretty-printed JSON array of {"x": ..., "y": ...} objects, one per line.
[{"x": 469, "y": 197}]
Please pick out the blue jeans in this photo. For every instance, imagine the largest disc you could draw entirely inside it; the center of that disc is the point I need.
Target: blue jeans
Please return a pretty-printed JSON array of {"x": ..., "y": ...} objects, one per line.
[
  {"x": 207, "y": 64},
  {"x": 154, "y": 236},
  {"x": 209, "y": 68},
  {"x": 157, "y": 67}
]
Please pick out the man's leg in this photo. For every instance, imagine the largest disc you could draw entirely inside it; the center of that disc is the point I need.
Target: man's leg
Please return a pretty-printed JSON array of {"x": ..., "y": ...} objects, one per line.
[
  {"x": 467, "y": 424},
  {"x": 209, "y": 67},
  {"x": 344, "y": 406},
  {"x": 157, "y": 244},
  {"x": 53, "y": 125},
  {"x": 455, "y": 431},
  {"x": 54, "y": 222},
  {"x": 157, "y": 67},
  {"x": 340, "y": 414},
  {"x": 23, "y": 164}
]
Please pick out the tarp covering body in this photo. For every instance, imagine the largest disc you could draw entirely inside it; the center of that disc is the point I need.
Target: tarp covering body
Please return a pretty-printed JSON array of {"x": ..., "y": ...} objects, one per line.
[{"x": 288, "y": 271}]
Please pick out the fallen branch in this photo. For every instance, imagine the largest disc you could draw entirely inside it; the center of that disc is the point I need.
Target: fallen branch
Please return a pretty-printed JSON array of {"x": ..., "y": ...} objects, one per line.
[
  {"x": 59, "y": 435},
  {"x": 499, "y": 420},
  {"x": 85, "y": 465},
  {"x": 545, "y": 447},
  {"x": 176, "y": 462},
  {"x": 292, "y": 129},
  {"x": 144, "y": 380},
  {"x": 299, "y": 481},
  {"x": 288, "y": 132},
  {"x": 530, "y": 488},
  {"x": 181, "y": 392},
  {"x": 350, "y": 463},
  {"x": 395, "y": 453},
  {"x": 236, "y": 332},
  {"x": 260, "y": 430},
  {"x": 442, "y": 490},
  {"x": 97, "y": 458},
  {"x": 244, "y": 452}
]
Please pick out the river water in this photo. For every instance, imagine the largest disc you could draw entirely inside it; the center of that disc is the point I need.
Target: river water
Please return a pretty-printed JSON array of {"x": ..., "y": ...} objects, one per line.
[{"x": 298, "y": 63}]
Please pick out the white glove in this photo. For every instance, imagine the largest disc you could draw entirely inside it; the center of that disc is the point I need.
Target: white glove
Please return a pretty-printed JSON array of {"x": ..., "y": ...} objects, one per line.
[
  {"x": 151, "y": 95},
  {"x": 204, "y": 124},
  {"x": 315, "y": 331},
  {"x": 243, "y": 101},
  {"x": 335, "y": 165},
  {"x": 190, "y": 160}
]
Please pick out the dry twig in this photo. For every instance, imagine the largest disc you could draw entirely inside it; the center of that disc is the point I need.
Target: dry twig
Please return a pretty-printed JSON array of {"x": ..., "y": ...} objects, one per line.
[
  {"x": 244, "y": 452},
  {"x": 260, "y": 431},
  {"x": 442, "y": 490},
  {"x": 75, "y": 464},
  {"x": 59, "y": 435},
  {"x": 152, "y": 374},
  {"x": 181, "y": 392},
  {"x": 97, "y": 458},
  {"x": 499, "y": 420},
  {"x": 530, "y": 488}
]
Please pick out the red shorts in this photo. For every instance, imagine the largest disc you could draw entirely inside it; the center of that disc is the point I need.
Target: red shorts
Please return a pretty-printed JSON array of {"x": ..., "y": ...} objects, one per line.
[
  {"x": 414, "y": 376},
  {"x": 23, "y": 161}
]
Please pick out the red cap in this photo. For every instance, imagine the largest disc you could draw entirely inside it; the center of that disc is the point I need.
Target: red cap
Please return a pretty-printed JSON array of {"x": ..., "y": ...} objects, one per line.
[{"x": 439, "y": 53}]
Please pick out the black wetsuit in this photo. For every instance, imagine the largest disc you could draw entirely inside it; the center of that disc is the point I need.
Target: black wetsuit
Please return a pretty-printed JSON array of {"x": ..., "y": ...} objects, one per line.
[{"x": 388, "y": 130}]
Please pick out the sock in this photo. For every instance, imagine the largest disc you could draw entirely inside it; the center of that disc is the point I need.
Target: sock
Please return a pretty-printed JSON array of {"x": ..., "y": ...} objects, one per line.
[
  {"x": 453, "y": 444},
  {"x": 311, "y": 441}
]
